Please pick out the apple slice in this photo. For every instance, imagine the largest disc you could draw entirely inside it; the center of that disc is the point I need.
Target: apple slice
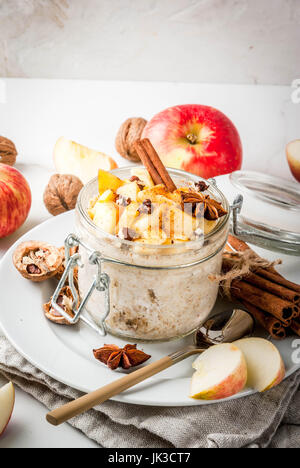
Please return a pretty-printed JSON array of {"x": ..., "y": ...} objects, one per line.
[
  {"x": 106, "y": 216},
  {"x": 73, "y": 158},
  {"x": 129, "y": 191},
  {"x": 293, "y": 157},
  {"x": 7, "y": 403},
  {"x": 143, "y": 175},
  {"x": 221, "y": 372},
  {"x": 264, "y": 363},
  {"x": 108, "y": 181}
]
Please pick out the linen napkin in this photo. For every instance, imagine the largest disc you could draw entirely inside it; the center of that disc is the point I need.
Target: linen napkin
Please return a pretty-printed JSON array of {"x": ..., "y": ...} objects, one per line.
[{"x": 262, "y": 420}]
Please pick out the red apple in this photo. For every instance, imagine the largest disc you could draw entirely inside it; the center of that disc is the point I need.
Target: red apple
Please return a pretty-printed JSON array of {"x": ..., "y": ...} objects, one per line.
[
  {"x": 15, "y": 200},
  {"x": 196, "y": 138},
  {"x": 293, "y": 157}
]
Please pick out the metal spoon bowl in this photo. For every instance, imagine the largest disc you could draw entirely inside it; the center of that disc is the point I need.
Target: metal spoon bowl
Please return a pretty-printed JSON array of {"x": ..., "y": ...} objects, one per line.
[
  {"x": 225, "y": 327},
  {"x": 222, "y": 328}
]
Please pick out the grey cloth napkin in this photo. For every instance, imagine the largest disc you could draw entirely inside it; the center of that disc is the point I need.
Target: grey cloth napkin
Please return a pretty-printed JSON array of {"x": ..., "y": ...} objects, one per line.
[{"x": 268, "y": 420}]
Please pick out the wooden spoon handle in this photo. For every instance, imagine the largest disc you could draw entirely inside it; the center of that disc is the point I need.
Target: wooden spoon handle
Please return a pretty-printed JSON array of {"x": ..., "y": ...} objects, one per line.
[{"x": 85, "y": 403}]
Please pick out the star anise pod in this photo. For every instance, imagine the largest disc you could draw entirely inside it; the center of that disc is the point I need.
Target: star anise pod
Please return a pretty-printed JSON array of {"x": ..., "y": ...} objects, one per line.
[
  {"x": 115, "y": 357},
  {"x": 212, "y": 209}
]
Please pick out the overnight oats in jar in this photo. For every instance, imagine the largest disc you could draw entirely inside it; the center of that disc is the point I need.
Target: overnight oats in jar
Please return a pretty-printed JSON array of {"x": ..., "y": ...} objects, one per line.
[{"x": 159, "y": 248}]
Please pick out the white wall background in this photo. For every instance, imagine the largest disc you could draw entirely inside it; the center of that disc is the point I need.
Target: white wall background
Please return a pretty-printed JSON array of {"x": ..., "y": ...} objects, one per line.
[{"x": 235, "y": 41}]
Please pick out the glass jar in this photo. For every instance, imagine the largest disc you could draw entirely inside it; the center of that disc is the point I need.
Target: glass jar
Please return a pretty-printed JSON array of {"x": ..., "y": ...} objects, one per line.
[
  {"x": 156, "y": 292},
  {"x": 270, "y": 212}
]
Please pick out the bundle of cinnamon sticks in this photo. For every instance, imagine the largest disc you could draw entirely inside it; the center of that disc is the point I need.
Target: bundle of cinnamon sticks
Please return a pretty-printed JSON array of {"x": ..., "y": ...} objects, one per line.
[{"x": 269, "y": 297}]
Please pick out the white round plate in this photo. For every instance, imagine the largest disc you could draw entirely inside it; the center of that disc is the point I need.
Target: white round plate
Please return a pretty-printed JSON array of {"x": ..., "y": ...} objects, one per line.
[{"x": 65, "y": 353}]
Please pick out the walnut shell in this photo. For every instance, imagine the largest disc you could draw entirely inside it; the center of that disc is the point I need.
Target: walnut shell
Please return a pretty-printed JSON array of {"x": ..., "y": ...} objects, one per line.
[
  {"x": 130, "y": 131},
  {"x": 8, "y": 151},
  {"x": 65, "y": 300},
  {"x": 37, "y": 261},
  {"x": 62, "y": 268},
  {"x": 61, "y": 193}
]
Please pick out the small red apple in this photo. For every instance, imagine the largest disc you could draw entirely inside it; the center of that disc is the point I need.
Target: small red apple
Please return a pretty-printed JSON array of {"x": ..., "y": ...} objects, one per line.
[
  {"x": 293, "y": 157},
  {"x": 196, "y": 138},
  {"x": 15, "y": 200}
]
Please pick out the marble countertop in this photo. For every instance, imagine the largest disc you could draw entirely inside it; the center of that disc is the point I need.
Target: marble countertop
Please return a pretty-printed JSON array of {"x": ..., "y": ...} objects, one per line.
[{"x": 34, "y": 113}]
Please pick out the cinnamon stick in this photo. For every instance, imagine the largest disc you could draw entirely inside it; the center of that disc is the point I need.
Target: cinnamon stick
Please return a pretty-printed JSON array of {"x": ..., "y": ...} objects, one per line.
[
  {"x": 153, "y": 164},
  {"x": 272, "y": 275},
  {"x": 272, "y": 325},
  {"x": 262, "y": 282},
  {"x": 279, "y": 308},
  {"x": 237, "y": 244},
  {"x": 274, "y": 288},
  {"x": 142, "y": 152},
  {"x": 269, "y": 273},
  {"x": 295, "y": 327}
]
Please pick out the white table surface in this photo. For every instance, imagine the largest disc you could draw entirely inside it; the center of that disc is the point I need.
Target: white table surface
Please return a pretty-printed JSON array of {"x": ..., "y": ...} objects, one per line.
[{"x": 34, "y": 113}]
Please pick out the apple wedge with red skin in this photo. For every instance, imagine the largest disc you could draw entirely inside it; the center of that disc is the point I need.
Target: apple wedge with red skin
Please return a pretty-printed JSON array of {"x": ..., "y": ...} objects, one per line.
[
  {"x": 7, "y": 403},
  {"x": 196, "y": 138},
  {"x": 293, "y": 158},
  {"x": 15, "y": 200},
  {"x": 221, "y": 372}
]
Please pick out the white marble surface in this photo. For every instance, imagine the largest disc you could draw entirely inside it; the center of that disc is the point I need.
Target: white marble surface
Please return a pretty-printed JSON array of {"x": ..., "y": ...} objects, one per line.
[
  {"x": 217, "y": 41},
  {"x": 34, "y": 113}
]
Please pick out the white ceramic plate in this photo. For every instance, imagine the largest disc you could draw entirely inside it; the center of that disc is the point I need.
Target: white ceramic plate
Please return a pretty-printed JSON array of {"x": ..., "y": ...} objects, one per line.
[{"x": 65, "y": 353}]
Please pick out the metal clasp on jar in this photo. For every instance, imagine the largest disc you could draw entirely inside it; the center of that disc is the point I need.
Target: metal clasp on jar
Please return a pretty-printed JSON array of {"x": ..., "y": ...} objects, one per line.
[
  {"x": 101, "y": 283},
  {"x": 248, "y": 235},
  {"x": 251, "y": 233}
]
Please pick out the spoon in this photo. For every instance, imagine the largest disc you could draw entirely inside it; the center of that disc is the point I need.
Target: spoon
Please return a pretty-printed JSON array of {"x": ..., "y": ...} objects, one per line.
[{"x": 225, "y": 327}]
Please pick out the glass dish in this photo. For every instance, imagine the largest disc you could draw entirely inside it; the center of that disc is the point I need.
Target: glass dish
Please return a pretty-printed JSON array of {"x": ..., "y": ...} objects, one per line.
[{"x": 270, "y": 214}]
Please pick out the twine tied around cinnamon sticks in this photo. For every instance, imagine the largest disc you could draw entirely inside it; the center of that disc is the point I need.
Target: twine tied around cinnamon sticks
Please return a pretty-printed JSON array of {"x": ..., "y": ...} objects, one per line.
[
  {"x": 239, "y": 264},
  {"x": 253, "y": 281}
]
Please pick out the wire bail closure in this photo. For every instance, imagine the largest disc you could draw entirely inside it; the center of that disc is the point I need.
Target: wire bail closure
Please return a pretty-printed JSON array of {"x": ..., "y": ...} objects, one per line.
[{"x": 101, "y": 283}]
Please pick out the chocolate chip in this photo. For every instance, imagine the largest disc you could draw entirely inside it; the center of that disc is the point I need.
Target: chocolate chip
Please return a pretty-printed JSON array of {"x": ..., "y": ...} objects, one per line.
[
  {"x": 198, "y": 234},
  {"x": 122, "y": 201},
  {"x": 146, "y": 207},
  {"x": 33, "y": 269},
  {"x": 134, "y": 178},
  {"x": 138, "y": 181},
  {"x": 201, "y": 186},
  {"x": 128, "y": 234}
]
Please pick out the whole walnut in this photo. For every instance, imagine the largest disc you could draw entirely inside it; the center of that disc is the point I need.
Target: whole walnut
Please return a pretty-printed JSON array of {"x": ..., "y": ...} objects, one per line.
[
  {"x": 61, "y": 193},
  {"x": 130, "y": 131},
  {"x": 8, "y": 151}
]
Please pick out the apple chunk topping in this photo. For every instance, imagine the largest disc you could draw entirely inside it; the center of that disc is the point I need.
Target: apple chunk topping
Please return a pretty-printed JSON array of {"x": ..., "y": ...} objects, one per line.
[
  {"x": 37, "y": 261},
  {"x": 139, "y": 211}
]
